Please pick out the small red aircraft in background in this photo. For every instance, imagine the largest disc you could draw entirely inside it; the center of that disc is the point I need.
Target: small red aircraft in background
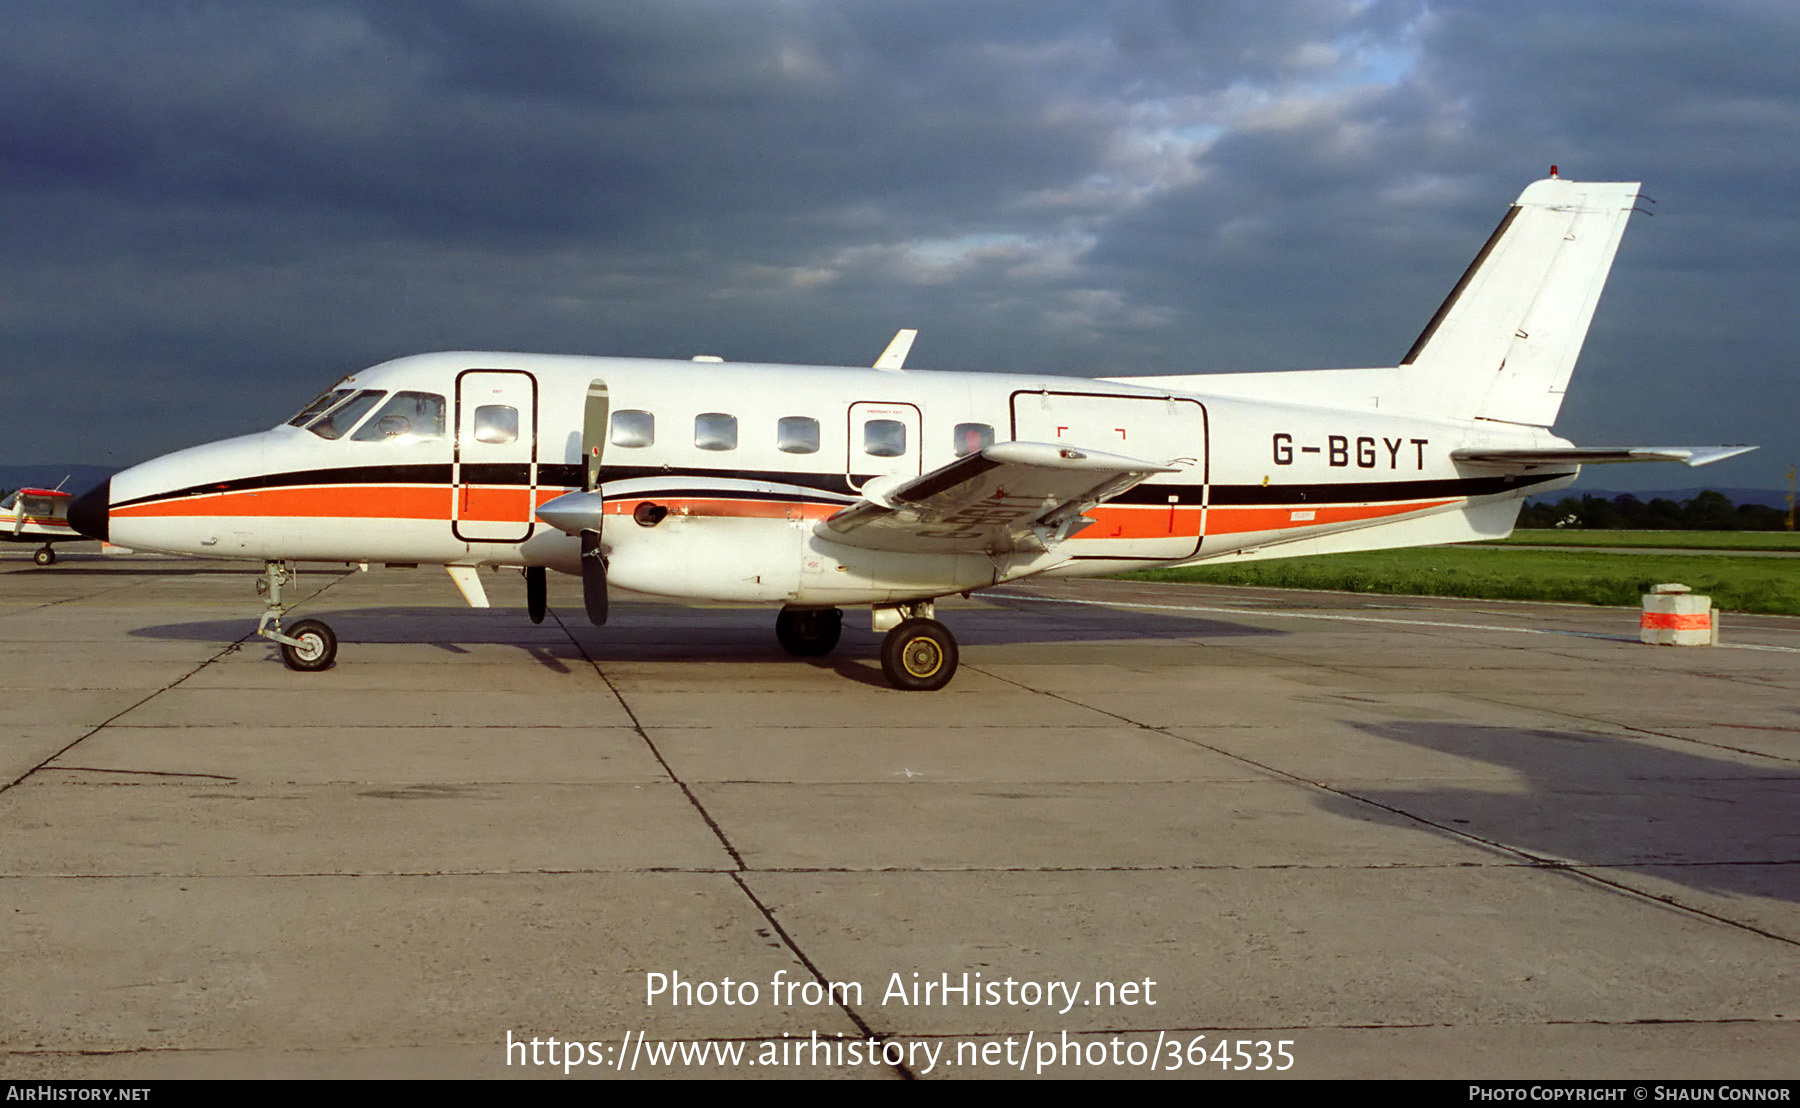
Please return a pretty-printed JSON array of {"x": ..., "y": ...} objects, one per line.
[{"x": 37, "y": 515}]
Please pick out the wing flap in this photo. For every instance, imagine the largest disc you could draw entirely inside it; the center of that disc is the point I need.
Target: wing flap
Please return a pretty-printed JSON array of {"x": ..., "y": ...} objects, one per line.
[{"x": 1009, "y": 496}]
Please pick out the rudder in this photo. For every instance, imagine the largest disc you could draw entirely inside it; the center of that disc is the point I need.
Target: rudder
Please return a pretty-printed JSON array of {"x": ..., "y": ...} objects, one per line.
[{"x": 1504, "y": 343}]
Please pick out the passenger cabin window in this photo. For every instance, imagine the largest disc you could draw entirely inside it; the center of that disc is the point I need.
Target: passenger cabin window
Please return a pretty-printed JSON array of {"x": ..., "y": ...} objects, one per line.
[
  {"x": 341, "y": 420},
  {"x": 797, "y": 435},
  {"x": 715, "y": 431},
  {"x": 319, "y": 404},
  {"x": 406, "y": 417},
  {"x": 496, "y": 423},
  {"x": 970, "y": 437},
  {"x": 884, "y": 438},
  {"x": 633, "y": 428}
]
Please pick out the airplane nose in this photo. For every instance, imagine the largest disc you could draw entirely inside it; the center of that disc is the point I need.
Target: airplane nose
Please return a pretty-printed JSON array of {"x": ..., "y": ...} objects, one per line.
[{"x": 90, "y": 512}]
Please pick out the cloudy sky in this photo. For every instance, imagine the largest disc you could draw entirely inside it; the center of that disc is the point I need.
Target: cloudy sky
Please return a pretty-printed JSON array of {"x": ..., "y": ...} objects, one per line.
[{"x": 213, "y": 209}]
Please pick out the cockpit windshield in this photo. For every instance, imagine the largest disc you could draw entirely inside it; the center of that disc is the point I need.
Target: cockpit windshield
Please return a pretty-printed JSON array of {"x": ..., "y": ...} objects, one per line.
[
  {"x": 336, "y": 422},
  {"x": 319, "y": 404},
  {"x": 406, "y": 417}
]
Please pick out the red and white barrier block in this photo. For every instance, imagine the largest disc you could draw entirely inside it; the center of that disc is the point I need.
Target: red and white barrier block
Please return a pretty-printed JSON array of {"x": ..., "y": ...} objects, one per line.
[{"x": 1675, "y": 616}]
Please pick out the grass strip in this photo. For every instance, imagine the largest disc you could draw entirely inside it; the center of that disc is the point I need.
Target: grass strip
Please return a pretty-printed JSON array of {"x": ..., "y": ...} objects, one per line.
[
  {"x": 1687, "y": 540},
  {"x": 1735, "y": 583}
]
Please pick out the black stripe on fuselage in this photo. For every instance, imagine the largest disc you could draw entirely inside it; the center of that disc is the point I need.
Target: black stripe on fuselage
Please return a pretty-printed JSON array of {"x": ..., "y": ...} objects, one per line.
[
  {"x": 571, "y": 476},
  {"x": 1361, "y": 491}
]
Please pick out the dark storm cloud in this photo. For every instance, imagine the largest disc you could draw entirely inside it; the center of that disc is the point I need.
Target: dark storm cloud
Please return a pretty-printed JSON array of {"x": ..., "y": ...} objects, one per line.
[{"x": 212, "y": 208}]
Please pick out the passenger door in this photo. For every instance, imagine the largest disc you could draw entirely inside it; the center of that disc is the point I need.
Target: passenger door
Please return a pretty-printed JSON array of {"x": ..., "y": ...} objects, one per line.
[
  {"x": 494, "y": 468},
  {"x": 1161, "y": 519}
]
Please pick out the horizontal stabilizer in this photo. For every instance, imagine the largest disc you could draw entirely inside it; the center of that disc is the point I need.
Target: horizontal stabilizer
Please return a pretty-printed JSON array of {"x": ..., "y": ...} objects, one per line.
[{"x": 1600, "y": 455}]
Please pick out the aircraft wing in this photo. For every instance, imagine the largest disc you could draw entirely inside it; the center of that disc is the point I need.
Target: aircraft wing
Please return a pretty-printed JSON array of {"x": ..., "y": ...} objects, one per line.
[
  {"x": 1009, "y": 496},
  {"x": 1600, "y": 455}
]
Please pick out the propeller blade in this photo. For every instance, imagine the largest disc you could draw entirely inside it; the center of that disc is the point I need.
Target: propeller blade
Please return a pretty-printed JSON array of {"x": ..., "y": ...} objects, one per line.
[
  {"x": 536, "y": 593},
  {"x": 593, "y": 578},
  {"x": 593, "y": 432}
]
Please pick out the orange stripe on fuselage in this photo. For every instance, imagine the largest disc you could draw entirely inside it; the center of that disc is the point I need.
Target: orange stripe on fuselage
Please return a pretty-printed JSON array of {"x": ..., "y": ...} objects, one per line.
[
  {"x": 1143, "y": 521},
  {"x": 728, "y": 507},
  {"x": 491, "y": 503},
  {"x": 1232, "y": 520}
]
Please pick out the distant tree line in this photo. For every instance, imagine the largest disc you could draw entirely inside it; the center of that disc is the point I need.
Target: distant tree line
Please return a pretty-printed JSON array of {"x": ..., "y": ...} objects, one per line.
[{"x": 1709, "y": 511}]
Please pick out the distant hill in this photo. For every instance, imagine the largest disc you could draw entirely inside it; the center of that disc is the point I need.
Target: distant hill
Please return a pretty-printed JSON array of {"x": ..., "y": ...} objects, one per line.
[
  {"x": 1768, "y": 498},
  {"x": 79, "y": 479}
]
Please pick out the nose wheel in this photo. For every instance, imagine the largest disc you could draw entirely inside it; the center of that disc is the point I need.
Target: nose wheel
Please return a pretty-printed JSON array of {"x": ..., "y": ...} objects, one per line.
[
  {"x": 309, "y": 645},
  {"x": 313, "y": 646}
]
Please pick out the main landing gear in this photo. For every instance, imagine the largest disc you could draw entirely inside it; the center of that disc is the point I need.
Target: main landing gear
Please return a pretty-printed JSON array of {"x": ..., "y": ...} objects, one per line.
[
  {"x": 809, "y": 632},
  {"x": 45, "y": 556},
  {"x": 308, "y": 645},
  {"x": 918, "y": 654}
]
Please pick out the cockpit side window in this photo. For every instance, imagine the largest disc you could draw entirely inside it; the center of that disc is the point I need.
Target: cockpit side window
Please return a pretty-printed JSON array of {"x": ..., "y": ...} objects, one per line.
[
  {"x": 12, "y": 498},
  {"x": 341, "y": 419},
  {"x": 319, "y": 404},
  {"x": 406, "y": 417}
]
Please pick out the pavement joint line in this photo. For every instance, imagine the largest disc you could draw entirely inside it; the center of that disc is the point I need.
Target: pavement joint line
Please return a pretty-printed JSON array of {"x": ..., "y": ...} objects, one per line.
[
  {"x": 138, "y": 772},
  {"x": 1398, "y": 600},
  {"x": 229, "y": 648},
  {"x": 862, "y": 1025},
  {"x": 1574, "y": 868},
  {"x": 1633, "y": 729},
  {"x": 1296, "y": 778},
  {"x": 1185, "y": 1029},
  {"x": 638, "y": 727},
  {"x": 1582, "y": 868},
  {"x": 78, "y": 598},
  {"x": 1286, "y": 614},
  {"x": 853, "y": 871},
  {"x": 725, "y": 841}
]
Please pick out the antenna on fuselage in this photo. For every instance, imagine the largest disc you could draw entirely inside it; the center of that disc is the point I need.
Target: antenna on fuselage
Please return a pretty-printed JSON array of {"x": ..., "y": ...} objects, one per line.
[{"x": 894, "y": 357}]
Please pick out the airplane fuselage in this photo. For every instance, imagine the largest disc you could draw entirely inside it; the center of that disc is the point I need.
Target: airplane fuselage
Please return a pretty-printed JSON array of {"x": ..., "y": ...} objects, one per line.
[{"x": 748, "y": 459}]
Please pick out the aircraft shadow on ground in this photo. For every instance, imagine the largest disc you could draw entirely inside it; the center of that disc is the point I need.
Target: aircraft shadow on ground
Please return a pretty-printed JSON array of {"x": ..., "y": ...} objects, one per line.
[
  {"x": 174, "y": 570},
  {"x": 1595, "y": 800},
  {"x": 658, "y": 632}
]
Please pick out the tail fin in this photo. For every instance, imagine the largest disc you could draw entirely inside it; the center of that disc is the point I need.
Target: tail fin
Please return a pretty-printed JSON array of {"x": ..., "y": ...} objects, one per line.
[{"x": 1504, "y": 342}]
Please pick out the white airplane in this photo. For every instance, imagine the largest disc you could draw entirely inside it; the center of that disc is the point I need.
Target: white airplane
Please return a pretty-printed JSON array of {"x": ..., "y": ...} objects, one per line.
[
  {"x": 37, "y": 515},
  {"x": 816, "y": 488}
]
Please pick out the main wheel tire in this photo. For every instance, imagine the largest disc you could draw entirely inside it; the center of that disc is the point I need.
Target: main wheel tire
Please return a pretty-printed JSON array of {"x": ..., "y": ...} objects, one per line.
[
  {"x": 919, "y": 655},
  {"x": 317, "y": 649},
  {"x": 809, "y": 632},
  {"x": 537, "y": 592},
  {"x": 45, "y": 557}
]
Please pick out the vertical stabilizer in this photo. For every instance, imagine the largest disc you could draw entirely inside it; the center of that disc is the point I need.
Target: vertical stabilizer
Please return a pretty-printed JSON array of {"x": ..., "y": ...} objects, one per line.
[{"x": 1504, "y": 342}]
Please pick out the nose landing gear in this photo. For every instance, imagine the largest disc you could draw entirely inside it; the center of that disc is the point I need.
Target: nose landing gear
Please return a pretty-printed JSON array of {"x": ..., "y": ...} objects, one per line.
[
  {"x": 309, "y": 645},
  {"x": 45, "y": 556}
]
